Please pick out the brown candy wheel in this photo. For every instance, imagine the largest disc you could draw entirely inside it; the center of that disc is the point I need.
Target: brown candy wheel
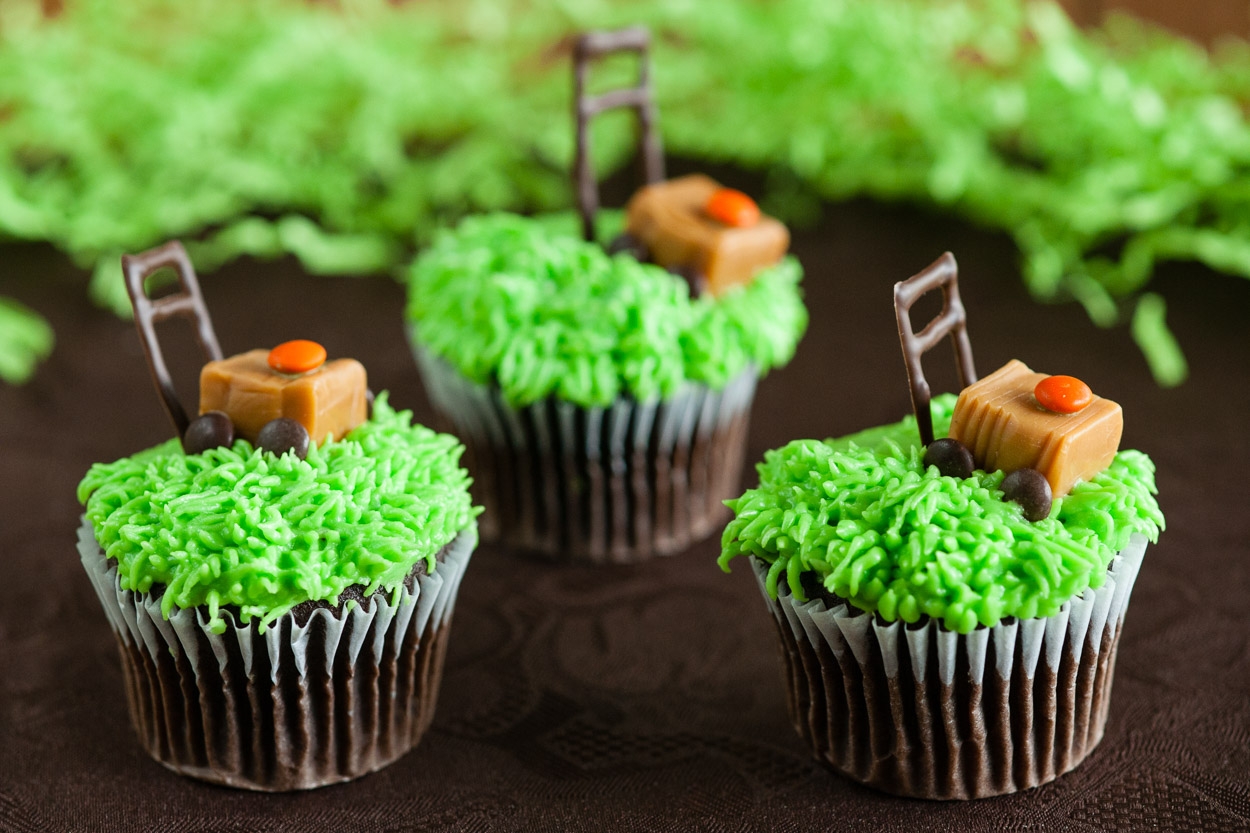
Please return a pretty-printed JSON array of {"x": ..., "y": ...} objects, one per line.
[
  {"x": 1030, "y": 489},
  {"x": 209, "y": 430},
  {"x": 281, "y": 435},
  {"x": 693, "y": 277},
  {"x": 952, "y": 458},
  {"x": 630, "y": 245}
]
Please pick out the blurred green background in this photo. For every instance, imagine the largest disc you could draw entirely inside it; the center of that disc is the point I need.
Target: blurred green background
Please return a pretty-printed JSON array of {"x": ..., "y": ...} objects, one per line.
[{"x": 345, "y": 133}]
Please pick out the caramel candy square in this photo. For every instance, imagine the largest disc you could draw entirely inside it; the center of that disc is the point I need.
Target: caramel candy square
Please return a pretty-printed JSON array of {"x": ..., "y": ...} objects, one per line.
[
  {"x": 668, "y": 218},
  {"x": 1004, "y": 427},
  {"x": 328, "y": 401}
]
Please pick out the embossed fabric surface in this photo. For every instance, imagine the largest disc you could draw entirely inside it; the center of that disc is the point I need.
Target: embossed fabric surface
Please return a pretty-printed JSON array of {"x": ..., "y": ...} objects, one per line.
[{"x": 643, "y": 697}]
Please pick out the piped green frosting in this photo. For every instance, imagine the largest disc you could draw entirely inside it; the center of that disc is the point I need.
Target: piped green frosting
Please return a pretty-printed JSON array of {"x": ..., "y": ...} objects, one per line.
[
  {"x": 527, "y": 304},
  {"x": 865, "y": 518},
  {"x": 238, "y": 526}
]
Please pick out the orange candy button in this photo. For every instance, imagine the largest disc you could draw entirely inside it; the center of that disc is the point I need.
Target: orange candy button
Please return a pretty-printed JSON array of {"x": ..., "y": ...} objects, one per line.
[
  {"x": 733, "y": 208},
  {"x": 1063, "y": 394},
  {"x": 299, "y": 356}
]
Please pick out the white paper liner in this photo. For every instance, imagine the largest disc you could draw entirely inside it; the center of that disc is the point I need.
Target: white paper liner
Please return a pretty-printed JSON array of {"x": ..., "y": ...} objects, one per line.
[
  {"x": 930, "y": 713},
  {"x": 603, "y": 484},
  {"x": 296, "y": 707}
]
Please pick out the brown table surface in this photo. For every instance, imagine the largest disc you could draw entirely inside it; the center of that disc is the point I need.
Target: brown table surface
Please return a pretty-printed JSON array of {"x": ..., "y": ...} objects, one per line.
[{"x": 647, "y": 697}]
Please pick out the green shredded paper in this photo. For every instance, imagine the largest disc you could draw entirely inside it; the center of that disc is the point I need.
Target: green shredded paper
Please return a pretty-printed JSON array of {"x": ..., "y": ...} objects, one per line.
[
  {"x": 25, "y": 339},
  {"x": 347, "y": 133},
  {"x": 528, "y": 305},
  {"x": 864, "y": 517},
  {"x": 239, "y": 526}
]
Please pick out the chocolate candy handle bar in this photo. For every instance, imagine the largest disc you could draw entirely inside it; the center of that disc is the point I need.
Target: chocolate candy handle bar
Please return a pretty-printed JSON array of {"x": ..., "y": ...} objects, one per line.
[
  {"x": 943, "y": 273},
  {"x": 588, "y": 47},
  {"x": 188, "y": 303}
]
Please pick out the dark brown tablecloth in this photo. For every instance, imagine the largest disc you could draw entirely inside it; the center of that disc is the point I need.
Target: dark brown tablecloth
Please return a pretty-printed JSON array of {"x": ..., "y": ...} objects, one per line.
[{"x": 649, "y": 697}]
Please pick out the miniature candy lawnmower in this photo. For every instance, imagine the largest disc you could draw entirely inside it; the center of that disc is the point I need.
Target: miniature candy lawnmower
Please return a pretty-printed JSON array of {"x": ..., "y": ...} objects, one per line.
[
  {"x": 280, "y": 400},
  {"x": 1045, "y": 432},
  {"x": 714, "y": 237}
]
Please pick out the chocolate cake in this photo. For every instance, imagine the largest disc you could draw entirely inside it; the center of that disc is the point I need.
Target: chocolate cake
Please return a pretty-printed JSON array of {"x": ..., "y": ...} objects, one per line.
[
  {"x": 949, "y": 628},
  {"x": 280, "y": 577},
  {"x": 602, "y": 382}
]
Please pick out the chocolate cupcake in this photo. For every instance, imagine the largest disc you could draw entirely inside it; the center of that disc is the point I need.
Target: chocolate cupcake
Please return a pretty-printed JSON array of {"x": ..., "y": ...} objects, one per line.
[
  {"x": 603, "y": 391},
  {"x": 603, "y": 408},
  {"x": 949, "y": 609},
  {"x": 281, "y": 580}
]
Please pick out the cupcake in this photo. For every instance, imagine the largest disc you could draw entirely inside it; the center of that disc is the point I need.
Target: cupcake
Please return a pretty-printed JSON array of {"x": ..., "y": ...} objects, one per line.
[
  {"x": 603, "y": 392},
  {"x": 604, "y": 409},
  {"x": 949, "y": 609},
  {"x": 281, "y": 579}
]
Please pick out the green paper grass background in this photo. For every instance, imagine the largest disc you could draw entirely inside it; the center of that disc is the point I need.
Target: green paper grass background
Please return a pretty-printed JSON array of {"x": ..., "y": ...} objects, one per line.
[{"x": 344, "y": 135}]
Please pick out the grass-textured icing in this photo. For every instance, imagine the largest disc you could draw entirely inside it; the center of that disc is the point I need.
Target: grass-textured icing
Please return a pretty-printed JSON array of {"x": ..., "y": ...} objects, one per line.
[
  {"x": 526, "y": 304},
  {"x": 238, "y": 526},
  {"x": 863, "y": 516}
]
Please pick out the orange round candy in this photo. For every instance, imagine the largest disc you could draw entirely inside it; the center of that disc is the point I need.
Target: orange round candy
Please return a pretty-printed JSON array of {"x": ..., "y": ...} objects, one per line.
[
  {"x": 299, "y": 356},
  {"x": 1063, "y": 394},
  {"x": 733, "y": 208}
]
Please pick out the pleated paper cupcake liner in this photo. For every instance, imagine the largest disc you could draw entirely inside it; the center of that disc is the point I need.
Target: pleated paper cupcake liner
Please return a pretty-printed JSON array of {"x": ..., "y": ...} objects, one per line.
[
  {"x": 614, "y": 484},
  {"x": 313, "y": 700},
  {"x": 921, "y": 711}
]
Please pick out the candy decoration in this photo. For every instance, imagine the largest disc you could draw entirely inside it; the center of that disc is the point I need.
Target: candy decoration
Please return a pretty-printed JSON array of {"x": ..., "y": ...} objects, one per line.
[
  {"x": 1000, "y": 420},
  {"x": 671, "y": 219},
  {"x": 694, "y": 279},
  {"x": 627, "y": 243},
  {"x": 952, "y": 458},
  {"x": 941, "y": 274},
  {"x": 733, "y": 208},
  {"x": 209, "y": 430},
  {"x": 282, "y": 435},
  {"x": 188, "y": 302},
  {"x": 328, "y": 402},
  {"x": 588, "y": 48},
  {"x": 299, "y": 356},
  {"x": 1030, "y": 489},
  {"x": 1063, "y": 394}
]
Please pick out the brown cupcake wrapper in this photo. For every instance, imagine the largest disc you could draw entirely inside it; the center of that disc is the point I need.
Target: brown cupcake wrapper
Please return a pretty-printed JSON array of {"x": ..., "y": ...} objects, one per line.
[
  {"x": 925, "y": 712},
  {"x": 296, "y": 707},
  {"x": 617, "y": 484}
]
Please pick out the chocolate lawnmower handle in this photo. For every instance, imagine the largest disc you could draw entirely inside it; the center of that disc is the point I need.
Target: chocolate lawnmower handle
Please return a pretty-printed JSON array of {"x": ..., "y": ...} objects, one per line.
[
  {"x": 942, "y": 274},
  {"x": 188, "y": 303},
  {"x": 589, "y": 47}
]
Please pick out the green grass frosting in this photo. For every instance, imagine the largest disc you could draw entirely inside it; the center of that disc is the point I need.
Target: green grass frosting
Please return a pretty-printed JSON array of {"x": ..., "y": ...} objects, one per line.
[
  {"x": 863, "y": 516},
  {"x": 238, "y": 526},
  {"x": 527, "y": 304}
]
